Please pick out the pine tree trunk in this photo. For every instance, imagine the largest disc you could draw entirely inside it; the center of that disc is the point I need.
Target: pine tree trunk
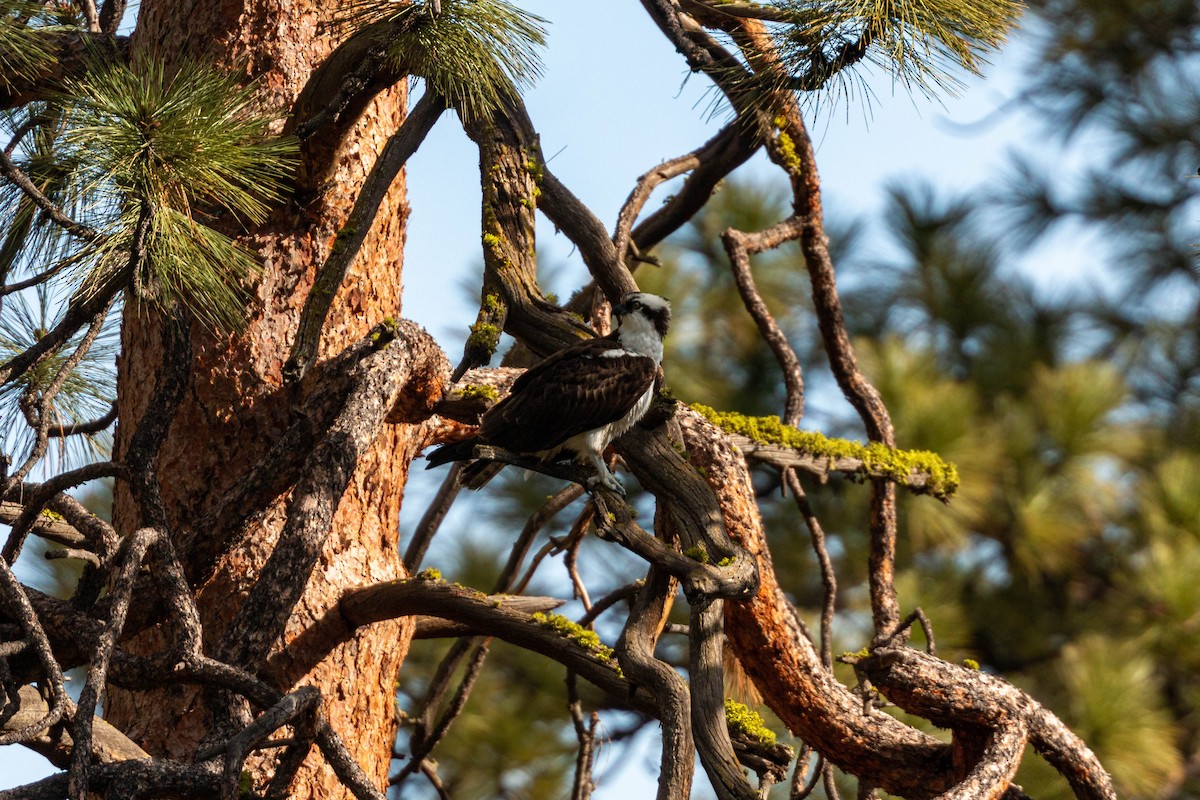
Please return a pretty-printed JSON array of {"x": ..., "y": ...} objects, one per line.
[{"x": 234, "y": 408}]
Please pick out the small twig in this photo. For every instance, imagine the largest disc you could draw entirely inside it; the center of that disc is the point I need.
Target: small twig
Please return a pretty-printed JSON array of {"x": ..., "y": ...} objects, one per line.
[
  {"x": 79, "y": 311},
  {"x": 38, "y": 496},
  {"x": 583, "y": 784},
  {"x": 897, "y": 636},
  {"x": 431, "y": 520},
  {"x": 28, "y": 283},
  {"x": 625, "y": 593},
  {"x": 53, "y": 212},
  {"x": 129, "y": 559},
  {"x": 21, "y": 131},
  {"x": 740, "y": 246},
  {"x": 299, "y": 708},
  {"x": 649, "y": 181},
  {"x": 84, "y": 428},
  {"x": 48, "y": 393},
  {"x": 828, "y": 575},
  {"x": 18, "y": 606},
  {"x": 551, "y": 546},
  {"x": 429, "y": 770},
  {"x": 571, "y": 559},
  {"x": 804, "y": 781},
  {"x": 428, "y": 732},
  {"x": 538, "y": 520},
  {"x": 75, "y": 553}
]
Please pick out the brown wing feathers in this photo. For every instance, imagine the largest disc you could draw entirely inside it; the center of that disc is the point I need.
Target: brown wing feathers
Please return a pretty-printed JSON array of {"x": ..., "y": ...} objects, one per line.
[{"x": 573, "y": 391}]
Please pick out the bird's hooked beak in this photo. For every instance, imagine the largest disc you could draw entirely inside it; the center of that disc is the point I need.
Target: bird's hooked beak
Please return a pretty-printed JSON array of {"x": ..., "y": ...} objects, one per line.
[{"x": 620, "y": 309}]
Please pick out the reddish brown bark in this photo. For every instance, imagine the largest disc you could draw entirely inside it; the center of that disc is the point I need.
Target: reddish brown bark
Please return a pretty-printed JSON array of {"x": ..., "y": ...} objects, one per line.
[{"x": 234, "y": 407}]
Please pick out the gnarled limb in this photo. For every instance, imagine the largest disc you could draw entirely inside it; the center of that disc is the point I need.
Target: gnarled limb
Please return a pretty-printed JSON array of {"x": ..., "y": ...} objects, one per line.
[
  {"x": 399, "y": 148},
  {"x": 381, "y": 379},
  {"x": 635, "y": 651},
  {"x": 958, "y": 697},
  {"x": 788, "y": 670}
]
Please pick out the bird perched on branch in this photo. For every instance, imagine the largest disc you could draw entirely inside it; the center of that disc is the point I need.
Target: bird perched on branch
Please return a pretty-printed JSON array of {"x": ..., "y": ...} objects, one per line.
[{"x": 578, "y": 400}]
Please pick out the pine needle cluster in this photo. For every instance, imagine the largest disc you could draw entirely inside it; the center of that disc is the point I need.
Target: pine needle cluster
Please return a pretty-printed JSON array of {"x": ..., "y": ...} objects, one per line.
[
  {"x": 923, "y": 43},
  {"x": 475, "y": 53},
  {"x": 185, "y": 151},
  {"x": 29, "y": 240},
  {"x": 23, "y": 28},
  {"x": 86, "y": 393}
]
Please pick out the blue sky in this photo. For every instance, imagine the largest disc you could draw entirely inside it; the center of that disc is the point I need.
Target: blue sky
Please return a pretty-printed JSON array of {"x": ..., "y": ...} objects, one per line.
[{"x": 614, "y": 101}]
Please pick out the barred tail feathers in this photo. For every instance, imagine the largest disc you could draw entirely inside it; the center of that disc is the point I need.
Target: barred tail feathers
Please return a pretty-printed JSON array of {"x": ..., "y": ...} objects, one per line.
[
  {"x": 456, "y": 451},
  {"x": 474, "y": 476}
]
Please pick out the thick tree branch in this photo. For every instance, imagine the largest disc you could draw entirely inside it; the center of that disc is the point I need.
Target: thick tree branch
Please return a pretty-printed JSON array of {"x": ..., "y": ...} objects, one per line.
[
  {"x": 423, "y": 595},
  {"x": 707, "y": 683},
  {"x": 56, "y": 745},
  {"x": 324, "y": 390},
  {"x": 336, "y": 95},
  {"x": 958, "y": 697},
  {"x": 396, "y": 152},
  {"x": 129, "y": 559},
  {"x": 635, "y": 651},
  {"x": 382, "y": 378},
  {"x": 788, "y": 671}
]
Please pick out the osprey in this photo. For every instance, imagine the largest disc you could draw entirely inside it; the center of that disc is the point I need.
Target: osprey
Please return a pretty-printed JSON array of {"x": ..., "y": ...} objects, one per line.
[{"x": 578, "y": 399}]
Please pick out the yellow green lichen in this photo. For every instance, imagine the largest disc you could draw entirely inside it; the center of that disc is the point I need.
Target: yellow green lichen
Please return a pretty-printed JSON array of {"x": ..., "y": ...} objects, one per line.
[
  {"x": 787, "y": 147},
  {"x": 971, "y": 663},
  {"x": 726, "y": 561},
  {"x": 492, "y": 303},
  {"x": 484, "y": 336},
  {"x": 578, "y": 634},
  {"x": 491, "y": 240},
  {"x": 741, "y": 719},
  {"x": 474, "y": 390},
  {"x": 941, "y": 478},
  {"x": 48, "y": 514},
  {"x": 697, "y": 553},
  {"x": 430, "y": 574},
  {"x": 535, "y": 169}
]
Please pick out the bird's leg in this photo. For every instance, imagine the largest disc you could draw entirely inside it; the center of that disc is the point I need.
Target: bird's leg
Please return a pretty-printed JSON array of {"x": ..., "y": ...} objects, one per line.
[{"x": 604, "y": 476}]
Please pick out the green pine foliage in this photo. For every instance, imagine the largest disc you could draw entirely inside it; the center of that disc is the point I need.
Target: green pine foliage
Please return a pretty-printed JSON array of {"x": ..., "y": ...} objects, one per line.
[
  {"x": 86, "y": 394},
  {"x": 188, "y": 152},
  {"x": 23, "y": 53},
  {"x": 475, "y": 53},
  {"x": 30, "y": 242},
  {"x": 924, "y": 44}
]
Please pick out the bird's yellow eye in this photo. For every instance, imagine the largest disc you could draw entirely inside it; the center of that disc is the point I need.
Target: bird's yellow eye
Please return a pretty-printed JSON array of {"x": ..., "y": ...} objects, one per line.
[{"x": 635, "y": 304}]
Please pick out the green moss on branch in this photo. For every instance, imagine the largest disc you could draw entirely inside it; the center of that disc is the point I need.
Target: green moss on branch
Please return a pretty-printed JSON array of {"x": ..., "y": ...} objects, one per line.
[{"x": 940, "y": 477}]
